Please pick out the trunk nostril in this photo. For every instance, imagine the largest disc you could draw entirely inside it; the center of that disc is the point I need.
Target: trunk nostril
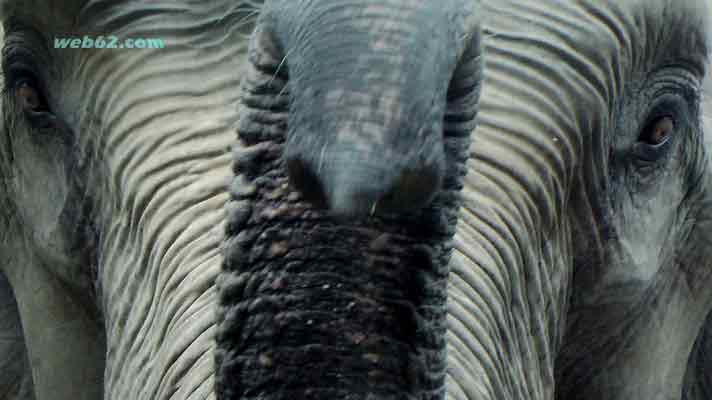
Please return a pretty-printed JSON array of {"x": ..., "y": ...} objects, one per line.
[
  {"x": 413, "y": 189},
  {"x": 352, "y": 191}
]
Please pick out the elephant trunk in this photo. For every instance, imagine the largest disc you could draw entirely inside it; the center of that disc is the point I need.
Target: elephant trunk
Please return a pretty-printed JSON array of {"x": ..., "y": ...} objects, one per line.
[
  {"x": 303, "y": 317},
  {"x": 368, "y": 83},
  {"x": 360, "y": 138},
  {"x": 313, "y": 306}
]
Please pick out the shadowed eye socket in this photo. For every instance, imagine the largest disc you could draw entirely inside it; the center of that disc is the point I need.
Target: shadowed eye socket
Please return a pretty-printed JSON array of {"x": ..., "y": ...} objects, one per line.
[
  {"x": 28, "y": 96},
  {"x": 657, "y": 135},
  {"x": 30, "y": 99},
  {"x": 659, "y": 131}
]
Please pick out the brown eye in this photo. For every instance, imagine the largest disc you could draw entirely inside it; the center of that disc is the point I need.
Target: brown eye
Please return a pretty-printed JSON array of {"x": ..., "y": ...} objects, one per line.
[
  {"x": 28, "y": 97},
  {"x": 659, "y": 131}
]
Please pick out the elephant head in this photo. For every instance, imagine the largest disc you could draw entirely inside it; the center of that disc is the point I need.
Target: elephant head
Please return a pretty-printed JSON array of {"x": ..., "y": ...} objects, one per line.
[
  {"x": 582, "y": 266},
  {"x": 115, "y": 166}
]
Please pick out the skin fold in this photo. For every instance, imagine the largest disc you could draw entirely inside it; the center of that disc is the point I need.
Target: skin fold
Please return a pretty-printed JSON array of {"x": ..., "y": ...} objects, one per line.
[{"x": 463, "y": 200}]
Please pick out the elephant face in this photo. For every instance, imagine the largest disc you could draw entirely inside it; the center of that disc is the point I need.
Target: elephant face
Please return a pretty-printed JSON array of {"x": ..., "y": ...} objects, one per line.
[{"x": 582, "y": 252}]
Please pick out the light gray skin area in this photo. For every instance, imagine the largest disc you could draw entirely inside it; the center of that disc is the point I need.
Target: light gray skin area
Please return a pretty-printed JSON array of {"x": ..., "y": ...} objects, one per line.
[
  {"x": 115, "y": 165},
  {"x": 582, "y": 255}
]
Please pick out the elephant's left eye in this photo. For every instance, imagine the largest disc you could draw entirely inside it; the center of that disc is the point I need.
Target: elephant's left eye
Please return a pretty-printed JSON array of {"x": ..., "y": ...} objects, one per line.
[
  {"x": 30, "y": 100},
  {"x": 28, "y": 96},
  {"x": 657, "y": 135},
  {"x": 659, "y": 131}
]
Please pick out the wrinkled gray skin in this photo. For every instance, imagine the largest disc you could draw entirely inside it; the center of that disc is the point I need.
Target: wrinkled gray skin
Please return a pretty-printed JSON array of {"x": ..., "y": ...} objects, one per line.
[
  {"x": 583, "y": 263},
  {"x": 582, "y": 254},
  {"x": 113, "y": 195}
]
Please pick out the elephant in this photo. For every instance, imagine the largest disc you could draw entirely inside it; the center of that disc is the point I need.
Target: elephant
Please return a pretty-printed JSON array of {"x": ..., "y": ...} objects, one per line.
[{"x": 461, "y": 199}]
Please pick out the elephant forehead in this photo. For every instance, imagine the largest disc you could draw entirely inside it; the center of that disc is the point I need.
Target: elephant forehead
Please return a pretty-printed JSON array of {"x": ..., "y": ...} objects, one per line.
[
  {"x": 76, "y": 17},
  {"x": 635, "y": 33}
]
